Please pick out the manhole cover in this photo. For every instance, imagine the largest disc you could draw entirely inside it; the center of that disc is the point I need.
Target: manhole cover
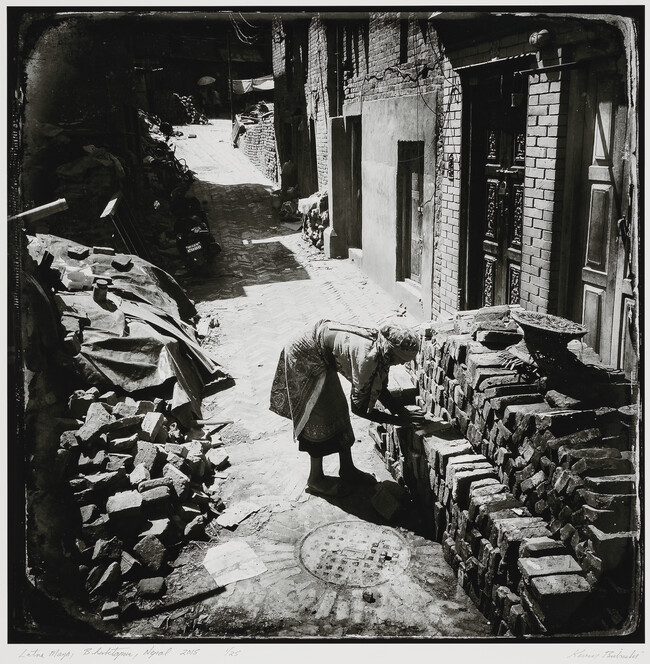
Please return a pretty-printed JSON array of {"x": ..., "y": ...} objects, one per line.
[{"x": 352, "y": 553}]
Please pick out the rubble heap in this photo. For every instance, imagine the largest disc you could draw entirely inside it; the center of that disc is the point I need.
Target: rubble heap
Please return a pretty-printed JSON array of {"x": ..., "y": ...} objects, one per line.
[
  {"x": 527, "y": 480},
  {"x": 141, "y": 488}
]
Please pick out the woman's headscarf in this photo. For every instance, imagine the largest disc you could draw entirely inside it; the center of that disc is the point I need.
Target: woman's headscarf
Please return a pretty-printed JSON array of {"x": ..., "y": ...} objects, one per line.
[
  {"x": 392, "y": 338},
  {"x": 398, "y": 340}
]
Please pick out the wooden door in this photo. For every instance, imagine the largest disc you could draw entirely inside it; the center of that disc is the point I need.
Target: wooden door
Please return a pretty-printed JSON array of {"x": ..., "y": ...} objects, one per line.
[
  {"x": 603, "y": 299},
  {"x": 410, "y": 173},
  {"x": 497, "y": 158}
]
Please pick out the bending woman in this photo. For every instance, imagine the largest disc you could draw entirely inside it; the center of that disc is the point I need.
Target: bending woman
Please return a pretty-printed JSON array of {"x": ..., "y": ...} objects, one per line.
[{"x": 307, "y": 390}]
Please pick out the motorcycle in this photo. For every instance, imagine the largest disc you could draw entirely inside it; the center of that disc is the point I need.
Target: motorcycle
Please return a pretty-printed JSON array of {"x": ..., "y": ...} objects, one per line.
[{"x": 194, "y": 240}]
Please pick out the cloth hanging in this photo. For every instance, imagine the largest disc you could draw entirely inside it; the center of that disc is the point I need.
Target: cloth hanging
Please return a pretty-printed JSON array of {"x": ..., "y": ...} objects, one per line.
[{"x": 240, "y": 86}]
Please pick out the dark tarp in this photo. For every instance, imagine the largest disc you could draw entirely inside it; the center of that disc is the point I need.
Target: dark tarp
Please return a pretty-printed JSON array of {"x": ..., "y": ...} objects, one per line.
[{"x": 129, "y": 342}]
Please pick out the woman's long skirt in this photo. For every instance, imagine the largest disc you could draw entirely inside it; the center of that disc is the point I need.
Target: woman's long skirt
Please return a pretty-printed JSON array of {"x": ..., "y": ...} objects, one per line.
[{"x": 306, "y": 389}]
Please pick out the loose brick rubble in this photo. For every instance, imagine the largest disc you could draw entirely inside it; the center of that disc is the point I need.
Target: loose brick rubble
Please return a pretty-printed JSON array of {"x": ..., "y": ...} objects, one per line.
[
  {"x": 532, "y": 492},
  {"x": 141, "y": 486}
]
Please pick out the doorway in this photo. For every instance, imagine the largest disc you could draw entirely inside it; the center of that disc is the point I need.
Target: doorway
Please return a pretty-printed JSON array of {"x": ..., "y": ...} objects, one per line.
[
  {"x": 496, "y": 131},
  {"x": 599, "y": 288},
  {"x": 410, "y": 175}
]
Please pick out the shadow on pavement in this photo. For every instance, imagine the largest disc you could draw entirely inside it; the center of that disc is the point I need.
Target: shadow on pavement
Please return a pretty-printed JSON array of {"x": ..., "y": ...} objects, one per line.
[
  {"x": 363, "y": 502},
  {"x": 249, "y": 231}
]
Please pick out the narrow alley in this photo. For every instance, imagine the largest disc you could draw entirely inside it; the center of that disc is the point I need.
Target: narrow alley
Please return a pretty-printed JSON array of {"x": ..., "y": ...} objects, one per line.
[
  {"x": 267, "y": 283},
  {"x": 216, "y": 215}
]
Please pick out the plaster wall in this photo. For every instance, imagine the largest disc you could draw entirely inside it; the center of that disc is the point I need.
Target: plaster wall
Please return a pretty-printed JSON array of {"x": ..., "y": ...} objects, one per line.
[{"x": 384, "y": 123}]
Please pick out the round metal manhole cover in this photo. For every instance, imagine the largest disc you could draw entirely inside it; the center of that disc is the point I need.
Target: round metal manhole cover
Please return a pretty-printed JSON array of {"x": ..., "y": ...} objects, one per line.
[{"x": 353, "y": 553}]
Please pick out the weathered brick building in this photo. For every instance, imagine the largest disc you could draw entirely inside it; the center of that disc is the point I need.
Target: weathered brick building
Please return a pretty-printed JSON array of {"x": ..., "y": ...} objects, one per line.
[
  {"x": 474, "y": 158},
  {"x": 479, "y": 159}
]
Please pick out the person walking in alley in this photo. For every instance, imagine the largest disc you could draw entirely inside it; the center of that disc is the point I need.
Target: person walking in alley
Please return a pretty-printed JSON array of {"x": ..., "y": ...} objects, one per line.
[{"x": 306, "y": 389}]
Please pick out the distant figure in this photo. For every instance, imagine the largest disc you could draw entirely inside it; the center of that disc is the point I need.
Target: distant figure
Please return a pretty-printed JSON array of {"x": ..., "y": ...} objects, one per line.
[
  {"x": 307, "y": 390},
  {"x": 289, "y": 178}
]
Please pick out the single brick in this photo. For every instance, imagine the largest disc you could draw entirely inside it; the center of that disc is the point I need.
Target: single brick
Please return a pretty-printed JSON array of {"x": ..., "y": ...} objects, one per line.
[{"x": 547, "y": 565}]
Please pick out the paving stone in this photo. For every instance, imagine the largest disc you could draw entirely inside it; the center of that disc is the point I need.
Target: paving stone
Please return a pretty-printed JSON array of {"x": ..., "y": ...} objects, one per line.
[
  {"x": 89, "y": 513},
  {"x": 125, "y": 409},
  {"x": 109, "y": 580},
  {"x": 155, "y": 482},
  {"x": 560, "y": 596},
  {"x": 217, "y": 458},
  {"x": 163, "y": 529},
  {"x": 92, "y": 461},
  {"x": 109, "y": 398},
  {"x": 151, "y": 552},
  {"x": 144, "y": 407},
  {"x": 110, "y": 549},
  {"x": 126, "y": 504},
  {"x": 600, "y": 467},
  {"x": 68, "y": 440},
  {"x": 139, "y": 474},
  {"x": 129, "y": 566},
  {"x": 121, "y": 445},
  {"x": 123, "y": 427},
  {"x": 151, "y": 426},
  {"x": 535, "y": 547},
  {"x": 547, "y": 565},
  {"x": 152, "y": 587},
  {"x": 156, "y": 500},
  {"x": 463, "y": 479},
  {"x": 614, "y": 484},
  {"x": 98, "y": 418},
  {"x": 96, "y": 529},
  {"x": 564, "y": 422},
  {"x": 79, "y": 403},
  {"x": 569, "y": 455},
  {"x": 108, "y": 482},
  {"x": 178, "y": 450},
  {"x": 94, "y": 575},
  {"x": 118, "y": 462},
  {"x": 180, "y": 481},
  {"x": 110, "y": 609},
  {"x": 148, "y": 455},
  {"x": 85, "y": 496},
  {"x": 608, "y": 501},
  {"x": 610, "y": 521}
]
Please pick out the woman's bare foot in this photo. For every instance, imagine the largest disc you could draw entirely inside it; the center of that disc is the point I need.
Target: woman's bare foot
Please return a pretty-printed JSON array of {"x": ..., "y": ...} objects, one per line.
[{"x": 356, "y": 476}]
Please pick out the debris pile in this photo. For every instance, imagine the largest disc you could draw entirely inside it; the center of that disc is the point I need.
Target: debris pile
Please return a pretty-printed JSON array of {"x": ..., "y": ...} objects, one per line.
[
  {"x": 315, "y": 218},
  {"x": 141, "y": 487},
  {"x": 188, "y": 108}
]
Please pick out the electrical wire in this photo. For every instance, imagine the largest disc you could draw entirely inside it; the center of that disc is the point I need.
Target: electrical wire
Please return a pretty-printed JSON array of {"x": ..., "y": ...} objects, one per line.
[
  {"x": 249, "y": 40},
  {"x": 250, "y": 25}
]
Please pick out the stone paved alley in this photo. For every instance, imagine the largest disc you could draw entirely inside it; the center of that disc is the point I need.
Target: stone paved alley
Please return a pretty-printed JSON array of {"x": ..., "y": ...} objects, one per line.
[{"x": 266, "y": 283}]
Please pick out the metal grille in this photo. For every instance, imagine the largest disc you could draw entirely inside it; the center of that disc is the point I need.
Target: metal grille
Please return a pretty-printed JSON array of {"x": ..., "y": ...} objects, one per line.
[{"x": 354, "y": 554}]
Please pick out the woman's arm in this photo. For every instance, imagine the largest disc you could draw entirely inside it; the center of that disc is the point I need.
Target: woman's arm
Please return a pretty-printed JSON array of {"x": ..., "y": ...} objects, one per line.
[{"x": 398, "y": 414}]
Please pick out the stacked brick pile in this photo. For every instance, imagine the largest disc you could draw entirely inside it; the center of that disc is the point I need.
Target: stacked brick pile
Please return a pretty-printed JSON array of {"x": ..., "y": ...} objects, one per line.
[
  {"x": 511, "y": 461},
  {"x": 141, "y": 487},
  {"x": 258, "y": 144}
]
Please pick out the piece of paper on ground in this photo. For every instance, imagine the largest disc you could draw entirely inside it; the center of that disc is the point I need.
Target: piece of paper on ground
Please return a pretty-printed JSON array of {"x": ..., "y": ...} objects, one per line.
[
  {"x": 235, "y": 514},
  {"x": 232, "y": 561}
]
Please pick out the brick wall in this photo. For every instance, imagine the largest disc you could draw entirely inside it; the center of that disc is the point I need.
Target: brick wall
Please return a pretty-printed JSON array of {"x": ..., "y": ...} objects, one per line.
[
  {"x": 317, "y": 96},
  {"x": 385, "y": 53},
  {"x": 531, "y": 491},
  {"x": 258, "y": 144},
  {"x": 302, "y": 98}
]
